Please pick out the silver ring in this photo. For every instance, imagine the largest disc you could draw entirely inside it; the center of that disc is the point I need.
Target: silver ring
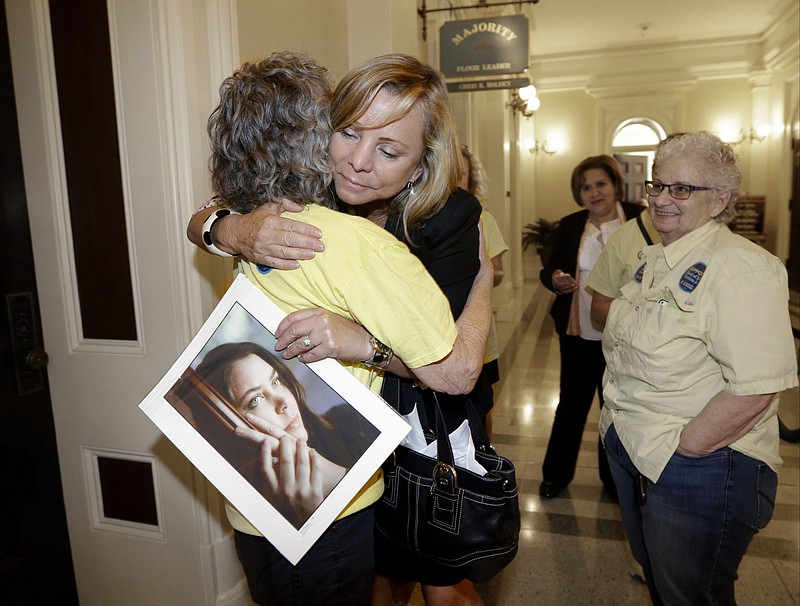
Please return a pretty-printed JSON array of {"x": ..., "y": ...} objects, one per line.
[
  {"x": 307, "y": 342},
  {"x": 275, "y": 461}
]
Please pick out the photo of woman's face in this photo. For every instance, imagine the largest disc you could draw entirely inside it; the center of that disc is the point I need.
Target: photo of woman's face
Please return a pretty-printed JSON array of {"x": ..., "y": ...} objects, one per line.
[{"x": 256, "y": 388}]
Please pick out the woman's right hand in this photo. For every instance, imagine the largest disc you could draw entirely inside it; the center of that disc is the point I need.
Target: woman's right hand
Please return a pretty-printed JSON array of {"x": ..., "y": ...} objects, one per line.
[
  {"x": 262, "y": 236},
  {"x": 563, "y": 283}
]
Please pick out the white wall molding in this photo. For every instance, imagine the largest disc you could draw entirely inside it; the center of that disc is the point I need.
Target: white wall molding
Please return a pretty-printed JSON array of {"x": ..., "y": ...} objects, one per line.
[{"x": 645, "y": 64}]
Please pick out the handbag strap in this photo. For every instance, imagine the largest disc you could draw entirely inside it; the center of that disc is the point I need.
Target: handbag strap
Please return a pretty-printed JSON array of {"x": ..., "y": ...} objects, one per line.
[
  {"x": 476, "y": 424},
  {"x": 445, "y": 477},
  {"x": 397, "y": 391},
  {"x": 477, "y": 427},
  {"x": 643, "y": 229},
  {"x": 392, "y": 392},
  {"x": 444, "y": 450}
]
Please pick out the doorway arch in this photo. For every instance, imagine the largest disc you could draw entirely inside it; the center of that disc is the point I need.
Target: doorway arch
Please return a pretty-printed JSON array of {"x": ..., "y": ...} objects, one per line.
[{"x": 633, "y": 144}]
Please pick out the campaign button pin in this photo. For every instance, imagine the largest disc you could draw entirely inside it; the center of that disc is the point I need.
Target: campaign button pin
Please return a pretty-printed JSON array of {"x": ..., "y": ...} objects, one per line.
[{"x": 692, "y": 276}]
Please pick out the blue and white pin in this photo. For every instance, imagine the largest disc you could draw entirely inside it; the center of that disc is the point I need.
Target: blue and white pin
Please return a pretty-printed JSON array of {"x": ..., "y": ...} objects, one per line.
[{"x": 692, "y": 276}]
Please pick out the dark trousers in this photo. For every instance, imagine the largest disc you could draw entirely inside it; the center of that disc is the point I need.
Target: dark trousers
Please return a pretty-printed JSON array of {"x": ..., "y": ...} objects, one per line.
[
  {"x": 582, "y": 367},
  {"x": 337, "y": 570}
]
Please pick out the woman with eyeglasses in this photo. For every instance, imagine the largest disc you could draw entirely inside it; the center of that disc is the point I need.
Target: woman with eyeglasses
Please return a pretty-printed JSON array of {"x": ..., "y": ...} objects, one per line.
[
  {"x": 597, "y": 186},
  {"x": 698, "y": 344}
]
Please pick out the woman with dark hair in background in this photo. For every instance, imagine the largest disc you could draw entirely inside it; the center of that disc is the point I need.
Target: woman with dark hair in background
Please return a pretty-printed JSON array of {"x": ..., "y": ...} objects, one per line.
[{"x": 597, "y": 186}]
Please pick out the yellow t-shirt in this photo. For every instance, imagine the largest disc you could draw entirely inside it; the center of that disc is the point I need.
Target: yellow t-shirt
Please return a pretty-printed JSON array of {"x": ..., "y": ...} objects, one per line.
[
  {"x": 709, "y": 314},
  {"x": 366, "y": 275},
  {"x": 495, "y": 245}
]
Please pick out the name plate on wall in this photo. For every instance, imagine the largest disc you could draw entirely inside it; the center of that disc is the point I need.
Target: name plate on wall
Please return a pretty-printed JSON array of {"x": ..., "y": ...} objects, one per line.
[
  {"x": 484, "y": 47},
  {"x": 749, "y": 220},
  {"x": 469, "y": 86}
]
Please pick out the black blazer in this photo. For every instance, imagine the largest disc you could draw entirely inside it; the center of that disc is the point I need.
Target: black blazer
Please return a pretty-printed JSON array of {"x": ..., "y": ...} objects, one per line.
[{"x": 564, "y": 256}]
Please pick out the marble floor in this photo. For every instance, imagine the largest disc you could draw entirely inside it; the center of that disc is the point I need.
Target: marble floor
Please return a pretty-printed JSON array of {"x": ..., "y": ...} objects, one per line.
[{"x": 572, "y": 548}]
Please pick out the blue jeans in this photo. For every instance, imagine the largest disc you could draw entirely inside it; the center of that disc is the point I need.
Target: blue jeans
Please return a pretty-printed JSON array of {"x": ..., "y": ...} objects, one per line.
[
  {"x": 336, "y": 570},
  {"x": 696, "y": 522}
]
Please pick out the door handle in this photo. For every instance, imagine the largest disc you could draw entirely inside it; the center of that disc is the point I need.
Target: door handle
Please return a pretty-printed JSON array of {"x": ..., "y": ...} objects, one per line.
[
  {"x": 36, "y": 359},
  {"x": 30, "y": 358}
]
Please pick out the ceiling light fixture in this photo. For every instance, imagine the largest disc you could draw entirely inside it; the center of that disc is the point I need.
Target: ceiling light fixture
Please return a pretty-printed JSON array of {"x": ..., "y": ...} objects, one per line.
[{"x": 525, "y": 101}]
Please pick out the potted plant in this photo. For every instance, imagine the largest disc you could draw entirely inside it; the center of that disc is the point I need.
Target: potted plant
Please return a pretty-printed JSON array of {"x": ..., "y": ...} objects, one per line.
[{"x": 540, "y": 234}]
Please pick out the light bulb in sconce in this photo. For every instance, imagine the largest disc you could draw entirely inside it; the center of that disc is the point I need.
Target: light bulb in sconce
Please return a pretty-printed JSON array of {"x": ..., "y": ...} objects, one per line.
[
  {"x": 525, "y": 101},
  {"x": 535, "y": 146},
  {"x": 527, "y": 92},
  {"x": 762, "y": 132},
  {"x": 758, "y": 133}
]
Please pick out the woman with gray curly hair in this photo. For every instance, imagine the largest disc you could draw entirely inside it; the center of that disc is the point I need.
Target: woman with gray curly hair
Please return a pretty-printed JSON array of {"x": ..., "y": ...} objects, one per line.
[
  {"x": 697, "y": 346},
  {"x": 269, "y": 134},
  {"x": 270, "y": 137}
]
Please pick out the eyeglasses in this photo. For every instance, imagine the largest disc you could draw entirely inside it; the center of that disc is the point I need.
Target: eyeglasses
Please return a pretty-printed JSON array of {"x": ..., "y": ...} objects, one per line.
[{"x": 679, "y": 191}]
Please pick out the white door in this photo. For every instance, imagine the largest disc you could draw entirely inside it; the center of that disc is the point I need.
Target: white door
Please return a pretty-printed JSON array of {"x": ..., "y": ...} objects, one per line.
[
  {"x": 170, "y": 548},
  {"x": 635, "y": 169}
]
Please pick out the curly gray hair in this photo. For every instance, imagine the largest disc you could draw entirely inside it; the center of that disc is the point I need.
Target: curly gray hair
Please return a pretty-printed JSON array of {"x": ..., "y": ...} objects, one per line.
[
  {"x": 409, "y": 82},
  {"x": 270, "y": 131},
  {"x": 717, "y": 158}
]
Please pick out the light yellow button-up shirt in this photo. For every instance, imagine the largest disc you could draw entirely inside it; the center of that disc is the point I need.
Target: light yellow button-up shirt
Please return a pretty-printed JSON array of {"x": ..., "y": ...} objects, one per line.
[
  {"x": 620, "y": 258},
  {"x": 708, "y": 313}
]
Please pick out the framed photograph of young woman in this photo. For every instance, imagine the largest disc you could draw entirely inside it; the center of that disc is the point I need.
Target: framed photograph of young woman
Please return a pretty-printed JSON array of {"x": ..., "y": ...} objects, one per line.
[{"x": 288, "y": 444}]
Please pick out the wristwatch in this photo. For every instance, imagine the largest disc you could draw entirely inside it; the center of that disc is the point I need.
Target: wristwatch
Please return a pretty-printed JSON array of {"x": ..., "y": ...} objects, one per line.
[
  {"x": 208, "y": 228},
  {"x": 382, "y": 355}
]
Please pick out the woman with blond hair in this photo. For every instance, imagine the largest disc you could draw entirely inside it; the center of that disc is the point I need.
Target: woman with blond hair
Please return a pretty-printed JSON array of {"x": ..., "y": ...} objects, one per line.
[{"x": 394, "y": 161}]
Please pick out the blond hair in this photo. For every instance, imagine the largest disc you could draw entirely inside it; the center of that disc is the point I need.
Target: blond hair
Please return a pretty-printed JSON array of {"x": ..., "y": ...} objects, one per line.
[
  {"x": 410, "y": 83},
  {"x": 476, "y": 179}
]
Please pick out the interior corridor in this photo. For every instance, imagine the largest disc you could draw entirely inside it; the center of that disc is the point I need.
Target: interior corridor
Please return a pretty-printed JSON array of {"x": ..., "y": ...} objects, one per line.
[{"x": 572, "y": 548}]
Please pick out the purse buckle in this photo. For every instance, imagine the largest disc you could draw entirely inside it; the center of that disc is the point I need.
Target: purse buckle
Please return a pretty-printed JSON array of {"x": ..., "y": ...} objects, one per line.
[{"x": 444, "y": 477}]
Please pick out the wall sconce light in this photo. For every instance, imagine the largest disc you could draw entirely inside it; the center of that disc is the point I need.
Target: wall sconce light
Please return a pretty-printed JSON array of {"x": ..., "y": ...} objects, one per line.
[
  {"x": 525, "y": 101},
  {"x": 535, "y": 146},
  {"x": 759, "y": 133}
]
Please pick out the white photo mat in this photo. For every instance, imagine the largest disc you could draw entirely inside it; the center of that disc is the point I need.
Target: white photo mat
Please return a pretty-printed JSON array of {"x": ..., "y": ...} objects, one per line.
[{"x": 390, "y": 428}]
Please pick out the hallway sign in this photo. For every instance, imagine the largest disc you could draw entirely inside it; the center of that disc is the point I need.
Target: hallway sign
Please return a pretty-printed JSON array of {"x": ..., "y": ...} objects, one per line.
[
  {"x": 484, "y": 47},
  {"x": 470, "y": 86}
]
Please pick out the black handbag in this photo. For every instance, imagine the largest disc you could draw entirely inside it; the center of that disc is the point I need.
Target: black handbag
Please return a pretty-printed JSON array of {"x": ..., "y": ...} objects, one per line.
[{"x": 439, "y": 524}]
